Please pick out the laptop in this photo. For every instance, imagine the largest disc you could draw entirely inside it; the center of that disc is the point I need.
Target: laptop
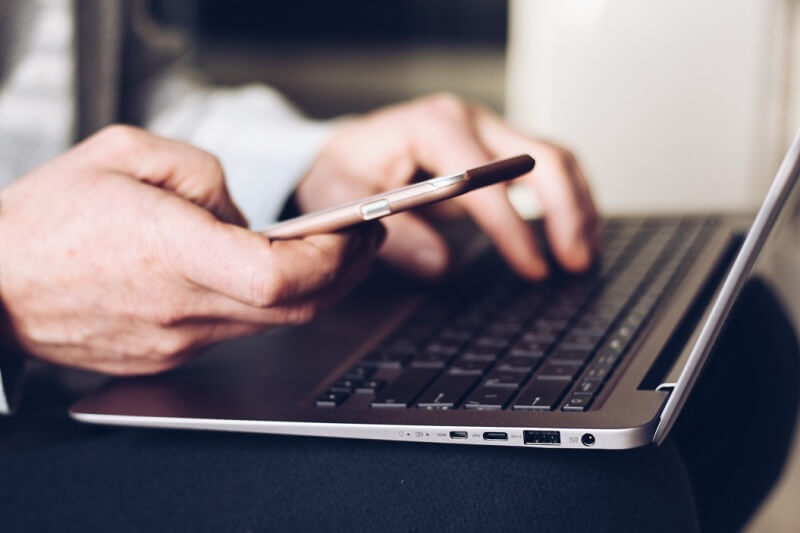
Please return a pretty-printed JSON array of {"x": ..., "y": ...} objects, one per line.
[{"x": 604, "y": 360}]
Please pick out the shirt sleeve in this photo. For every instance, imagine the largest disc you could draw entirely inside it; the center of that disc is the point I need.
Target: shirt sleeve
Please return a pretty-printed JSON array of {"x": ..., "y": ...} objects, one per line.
[
  {"x": 12, "y": 367},
  {"x": 264, "y": 144},
  {"x": 5, "y": 408}
]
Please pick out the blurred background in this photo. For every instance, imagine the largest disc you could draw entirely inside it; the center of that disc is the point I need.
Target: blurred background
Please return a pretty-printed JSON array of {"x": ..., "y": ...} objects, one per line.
[
  {"x": 676, "y": 105},
  {"x": 670, "y": 105}
]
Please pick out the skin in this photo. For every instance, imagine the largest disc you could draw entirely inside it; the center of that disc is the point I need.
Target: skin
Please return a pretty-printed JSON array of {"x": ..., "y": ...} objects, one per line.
[
  {"x": 126, "y": 254},
  {"x": 439, "y": 135}
]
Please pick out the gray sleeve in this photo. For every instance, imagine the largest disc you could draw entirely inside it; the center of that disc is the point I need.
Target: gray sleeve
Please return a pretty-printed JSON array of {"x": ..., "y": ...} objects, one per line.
[
  {"x": 12, "y": 367},
  {"x": 264, "y": 144},
  {"x": 5, "y": 408}
]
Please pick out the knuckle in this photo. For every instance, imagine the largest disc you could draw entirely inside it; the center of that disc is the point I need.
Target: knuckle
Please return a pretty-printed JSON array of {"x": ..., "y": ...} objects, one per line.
[
  {"x": 168, "y": 317},
  {"x": 214, "y": 166},
  {"x": 332, "y": 261},
  {"x": 120, "y": 136},
  {"x": 169, "y": 346},
  {"x": 562, "y": 156},
  {"x": 268, "y": 288},
  {"x": 446, "y": 104}
]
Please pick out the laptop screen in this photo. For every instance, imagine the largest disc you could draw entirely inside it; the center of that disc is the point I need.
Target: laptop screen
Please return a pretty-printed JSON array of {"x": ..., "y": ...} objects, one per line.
[{"x": 772, "y": 235}]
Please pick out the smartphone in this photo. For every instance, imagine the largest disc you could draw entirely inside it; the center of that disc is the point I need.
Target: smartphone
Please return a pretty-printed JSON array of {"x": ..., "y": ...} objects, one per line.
[{"x": 402, "y": 199}]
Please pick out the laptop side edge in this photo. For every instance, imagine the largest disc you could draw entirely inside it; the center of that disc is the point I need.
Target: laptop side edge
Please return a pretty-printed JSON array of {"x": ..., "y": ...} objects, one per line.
[{"x": 776, "y": 199}]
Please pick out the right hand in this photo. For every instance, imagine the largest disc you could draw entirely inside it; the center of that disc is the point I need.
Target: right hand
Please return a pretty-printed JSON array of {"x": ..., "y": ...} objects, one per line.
[{"x": 126, "y": 254}]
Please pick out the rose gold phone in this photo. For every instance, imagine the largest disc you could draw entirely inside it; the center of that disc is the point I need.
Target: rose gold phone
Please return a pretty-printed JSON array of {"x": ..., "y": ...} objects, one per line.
[{"x": 402, "y": 199}]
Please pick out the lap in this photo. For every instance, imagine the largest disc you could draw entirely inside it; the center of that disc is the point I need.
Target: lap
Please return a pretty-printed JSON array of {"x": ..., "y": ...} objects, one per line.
[
  {"x": 140, "y": 480},
  {"x": 129, "y": 479}
]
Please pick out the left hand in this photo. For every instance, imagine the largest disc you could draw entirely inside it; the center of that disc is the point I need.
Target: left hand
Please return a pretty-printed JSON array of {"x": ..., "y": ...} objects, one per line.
[{"x": 442, "y": 134}]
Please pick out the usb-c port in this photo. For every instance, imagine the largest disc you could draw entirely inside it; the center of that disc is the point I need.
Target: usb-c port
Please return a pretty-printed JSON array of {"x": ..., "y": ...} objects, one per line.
[
  {"x": 458, "y": 434},
  {"x": 495, "y": 435}
]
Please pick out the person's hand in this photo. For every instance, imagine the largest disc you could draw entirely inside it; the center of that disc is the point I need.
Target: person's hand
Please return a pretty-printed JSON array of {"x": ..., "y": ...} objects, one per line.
[
  {"x": 126, "y": 254},
  {"x": 440, "y": 135}
]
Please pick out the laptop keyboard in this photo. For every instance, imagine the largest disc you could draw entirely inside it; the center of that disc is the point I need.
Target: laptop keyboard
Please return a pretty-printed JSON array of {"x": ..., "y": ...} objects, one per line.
[{"x": 493, "y": 341}]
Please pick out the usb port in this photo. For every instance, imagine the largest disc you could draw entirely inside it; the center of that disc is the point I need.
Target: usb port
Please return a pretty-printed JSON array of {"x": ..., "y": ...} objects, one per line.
[
  {"x": 458, "y": 434},
  {"x": 495, "y": 435},
  {"x": 542, "y": 437}
]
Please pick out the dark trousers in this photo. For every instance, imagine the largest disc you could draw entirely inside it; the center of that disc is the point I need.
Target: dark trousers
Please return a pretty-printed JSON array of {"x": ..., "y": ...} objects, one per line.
[{"x": 711, "y": 474}]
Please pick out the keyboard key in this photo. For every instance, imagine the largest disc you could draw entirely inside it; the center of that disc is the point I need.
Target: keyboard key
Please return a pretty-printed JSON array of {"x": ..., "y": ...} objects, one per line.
[
  {"x": 618, "y": 343},
  {"x": 430, "y": 360},
  {"x": 444, "y": 347},
  {"x": 539, "y": 395},
  {"x": 569, "y": 356},
  {"x": 596, "y": 372},
  {"x": 489, "y": 398},
  {"x": 550, "y": 371},
  {"x": 588, "y": 386},
  {"x": 515, "y": 363},
  {"x": 405, "y": 388},
  {"x": 607, "y": 357},
  {"x": 471, "y": 368},
  {"x": 457, "y": 334},
  {"x": 359, "y": 373},
  {"x": 382, "y": 359},
  {"x": 525, "y": 351},
  {"x": 598, "y": 332},
  {"x": 497, "y": 342},
  {"x": 550, "y": 325},
  {"x": 399, "y": 345},
  {"x": 578, "y": 402},
  {"x": 446, "y": 392},
  {"x": 574, "y": 341},
  {"x": 345, "y": 385},
  {"x": 370, "y": 387},
  {"x": 332, "y": 399},
  {"x": 539, "y": 337},
  {"x": 480, "y": 353},
  {"x": 501, "y": 378}
]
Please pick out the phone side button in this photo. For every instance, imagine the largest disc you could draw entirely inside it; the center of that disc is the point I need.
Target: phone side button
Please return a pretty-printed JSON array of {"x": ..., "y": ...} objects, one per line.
[{"x": 375, "y": 209}]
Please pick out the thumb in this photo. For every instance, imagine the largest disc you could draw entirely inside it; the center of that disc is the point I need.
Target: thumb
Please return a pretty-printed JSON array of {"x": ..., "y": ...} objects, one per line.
[
  {"x": 414, "y": 246},
  {"x": 189, "y": 172}
]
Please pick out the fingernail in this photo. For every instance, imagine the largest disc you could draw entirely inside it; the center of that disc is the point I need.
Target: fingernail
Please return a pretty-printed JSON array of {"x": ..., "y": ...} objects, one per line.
[
  {"x": 539, "y": 269},
  {"x": 430, "y": 263}
]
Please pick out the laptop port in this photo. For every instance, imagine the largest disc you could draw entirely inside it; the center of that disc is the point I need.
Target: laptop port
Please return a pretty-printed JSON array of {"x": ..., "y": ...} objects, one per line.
[
  {"x": 458, "y": 434},
  {"x": 495, "y": 435},
  {"x": 542, "y": 437}
]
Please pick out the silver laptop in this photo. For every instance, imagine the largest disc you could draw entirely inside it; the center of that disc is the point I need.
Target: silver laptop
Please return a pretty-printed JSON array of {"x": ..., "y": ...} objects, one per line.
[{"x": 604, "y": 360}]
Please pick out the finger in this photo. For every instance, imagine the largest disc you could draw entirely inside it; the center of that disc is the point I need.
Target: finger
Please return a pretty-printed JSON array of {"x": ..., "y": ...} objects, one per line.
[
  {"x": 514, "y": 238},
  {"x": 415, "y": 247},
  {"x": 562, "y": 189},
  {"x": 411, "y": 245},
  {"x": 207, "y": 305},
  {"x": 357, "y": 269},
  {"x": 447, "y": 210},
  {"x": 249, "y": 268},
  {"x": 448, "y": 144},
  {"x": 189, "y": 172}
]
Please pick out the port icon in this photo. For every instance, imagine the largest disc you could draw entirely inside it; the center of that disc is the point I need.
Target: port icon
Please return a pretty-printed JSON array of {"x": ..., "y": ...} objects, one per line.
[{"x": 542, "y": 437}]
